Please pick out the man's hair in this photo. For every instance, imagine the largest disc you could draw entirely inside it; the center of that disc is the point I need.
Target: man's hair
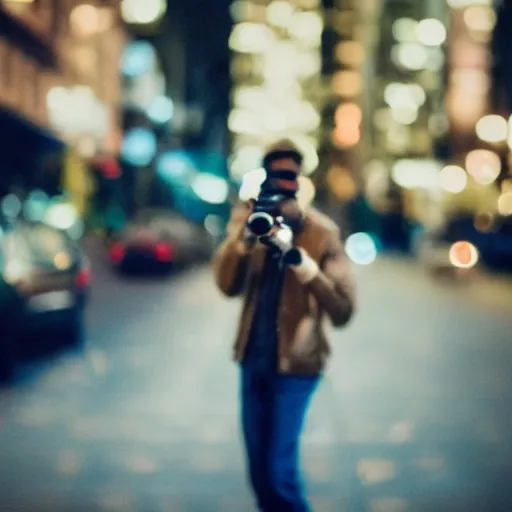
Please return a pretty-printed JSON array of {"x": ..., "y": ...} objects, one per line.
[
  {"x": 282, "y": 149},
  {"x": 282, "y": 145}
]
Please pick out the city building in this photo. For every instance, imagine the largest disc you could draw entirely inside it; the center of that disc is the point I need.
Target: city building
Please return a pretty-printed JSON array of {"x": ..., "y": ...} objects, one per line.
[
  {"x": 190, "y": 41},
  {"x": 439, "y": 112},
  {"x": 305, "y": 69},
  {"x": 277, "y": 86},
  {"x": 60, "y": 85},
  {"x": 348, "y": 72},
  {"x": 405, "y": 110}
]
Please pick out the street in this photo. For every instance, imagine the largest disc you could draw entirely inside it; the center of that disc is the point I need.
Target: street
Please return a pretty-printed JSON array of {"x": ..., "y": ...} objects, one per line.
[{"x": 414, "y": 413}]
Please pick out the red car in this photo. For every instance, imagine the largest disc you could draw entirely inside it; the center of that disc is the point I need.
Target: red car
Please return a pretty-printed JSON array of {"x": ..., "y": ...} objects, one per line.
[{"x": 159, "y": 240}]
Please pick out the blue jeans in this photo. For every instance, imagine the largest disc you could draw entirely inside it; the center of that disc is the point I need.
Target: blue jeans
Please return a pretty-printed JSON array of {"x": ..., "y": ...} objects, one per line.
[{"x": 273, "y": 413}]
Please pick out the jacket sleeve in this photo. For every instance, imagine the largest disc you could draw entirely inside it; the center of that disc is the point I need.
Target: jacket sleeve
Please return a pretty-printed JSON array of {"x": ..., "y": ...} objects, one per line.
[
  {"x": 231, "y": 261},
  {"x": 331, "y": 281}
]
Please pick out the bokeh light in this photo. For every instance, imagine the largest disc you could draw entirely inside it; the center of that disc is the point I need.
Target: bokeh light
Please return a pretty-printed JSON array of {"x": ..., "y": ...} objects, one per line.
[
  {"x": 453, "y": 179},
  {"x": 251, "y": 184},
  {"x": 340, "y": 183},
  {"x": 85, "y": 20},
  {"x": 139, "y": 146},
  {"x": 350, "y": 53},
  {"x": 463, "y": 255},
  {"x": 347, "y": 118},
  {"x": 214, "y": 224},
  {"x": 416, "y": 173},
  {"x": 161, "y": 110},
  {"x": 347, "y": 83},
  {"x": 481, "y": 18},
  {"x": 61, "y": 215},
  {"x": 307, "y": 27},
  {"x": 405, "y": 30},
  {"x": 431, "y": 32},
  {"x": 62, "y": 261},
  {"x": 410, "y": 56},
  {"x": 174, "y": 165},
  {"x": 137, "y": 59},
  {"x": 460, "y": 4},
  {"x": 251, "y": 38},
  {"x": 245, "y": 158},
  {"x": 483, "y": 165},
  {"x": 11, "y": 206},
  {"x": 402, "y": 95},
  {"x": 244, "y": 122},
  {"x": 492, "y": 128},
  {"x": 404, "y": 115},
  {"x": 210, "y": 188},
  {"x": 377, "y": 179},
  {"x": 310, "y": 156},
  {"x": 505, "y": 204},
  {"x": 509, "y": 132},
  {"x": 279, "y": 13},
  {"x": 35, "y": 205},
  {"x": 77, "y": 230},
  {"x": 435, "y": 59},
  {"x": 142, "y": 12},
  {"x": 243, "y": 10},
  {"x": 346, "y": 136},
  {"x": 361, "y": 248}
]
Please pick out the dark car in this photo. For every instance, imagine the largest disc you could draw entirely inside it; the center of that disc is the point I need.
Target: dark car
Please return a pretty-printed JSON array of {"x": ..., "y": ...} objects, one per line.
[
  {"x": 44, "y": 279},
  {"x": 159, "y": 240}
]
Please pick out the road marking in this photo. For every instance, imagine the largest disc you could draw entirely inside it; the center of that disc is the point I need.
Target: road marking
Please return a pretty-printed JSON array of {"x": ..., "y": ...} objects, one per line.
[
  {"x": 376, "y": 471},
  {"x": 388, "y": 505},
  {"x": 140, "y": 463}
]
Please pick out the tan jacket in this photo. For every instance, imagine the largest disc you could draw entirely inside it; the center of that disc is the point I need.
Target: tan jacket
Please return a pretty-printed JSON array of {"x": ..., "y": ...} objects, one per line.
[{"x": 307, "y": 303}]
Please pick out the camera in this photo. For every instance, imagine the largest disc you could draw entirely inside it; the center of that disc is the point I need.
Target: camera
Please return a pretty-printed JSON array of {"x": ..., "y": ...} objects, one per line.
[
  {"x": 266, "y": 214},
  {"x": 266, "y": 217}
]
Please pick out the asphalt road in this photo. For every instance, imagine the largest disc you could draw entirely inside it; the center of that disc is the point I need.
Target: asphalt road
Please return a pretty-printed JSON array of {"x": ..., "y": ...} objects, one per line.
[{"x": 415, "y": 413}]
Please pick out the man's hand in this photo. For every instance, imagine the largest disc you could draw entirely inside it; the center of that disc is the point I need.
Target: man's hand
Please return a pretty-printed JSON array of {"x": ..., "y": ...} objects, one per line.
[
  {"x": 292, "y": 257},
  {"x": 249, "y": 239},
  {"x": 241, "y": 237},
  {"x": 304, "y": 267},
  {"x": 279, "y": 239},
  {"x": 231, "y": 260}
]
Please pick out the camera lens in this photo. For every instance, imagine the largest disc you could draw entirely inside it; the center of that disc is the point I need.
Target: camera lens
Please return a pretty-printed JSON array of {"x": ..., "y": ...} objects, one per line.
[{"x": 260, "y": 223}]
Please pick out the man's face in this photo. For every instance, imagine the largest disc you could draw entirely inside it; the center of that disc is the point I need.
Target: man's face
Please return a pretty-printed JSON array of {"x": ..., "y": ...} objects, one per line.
[
  {"x": 280, "y": 165},
  {"x": 290, "y": 210},
  {"x": 284, "y": 164}
]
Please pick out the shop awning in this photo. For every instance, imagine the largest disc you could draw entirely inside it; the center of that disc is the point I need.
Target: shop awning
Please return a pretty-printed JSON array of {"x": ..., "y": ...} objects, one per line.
[
  {"x": 22, "y": 37},
  {"x": 23, "y": 145}
]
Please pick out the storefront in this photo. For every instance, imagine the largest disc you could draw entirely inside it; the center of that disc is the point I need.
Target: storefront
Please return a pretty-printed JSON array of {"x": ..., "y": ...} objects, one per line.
[{"x": 24, "y": 150}]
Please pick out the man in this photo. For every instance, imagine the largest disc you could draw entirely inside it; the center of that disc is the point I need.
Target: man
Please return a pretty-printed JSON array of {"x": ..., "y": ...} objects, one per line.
[{"x": 288, "y": 292}]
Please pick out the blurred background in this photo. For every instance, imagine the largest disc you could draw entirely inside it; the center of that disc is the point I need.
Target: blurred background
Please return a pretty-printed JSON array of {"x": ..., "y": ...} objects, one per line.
[{"x": 127, "y": 131}]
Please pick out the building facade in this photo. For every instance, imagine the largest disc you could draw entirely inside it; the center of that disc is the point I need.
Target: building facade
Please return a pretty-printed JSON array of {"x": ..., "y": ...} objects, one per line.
[
  {"x": 277, "y": 86},
  {"x": 59, "y": 80}
]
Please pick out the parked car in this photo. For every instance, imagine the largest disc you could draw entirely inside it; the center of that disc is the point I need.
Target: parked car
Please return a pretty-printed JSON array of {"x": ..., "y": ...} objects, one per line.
[
  {"x": 434, "y": 252},
  {"x": 159, "y": 240},
  {"x": 44, "y": 281},
  {"x": 492, "y": 247}
]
